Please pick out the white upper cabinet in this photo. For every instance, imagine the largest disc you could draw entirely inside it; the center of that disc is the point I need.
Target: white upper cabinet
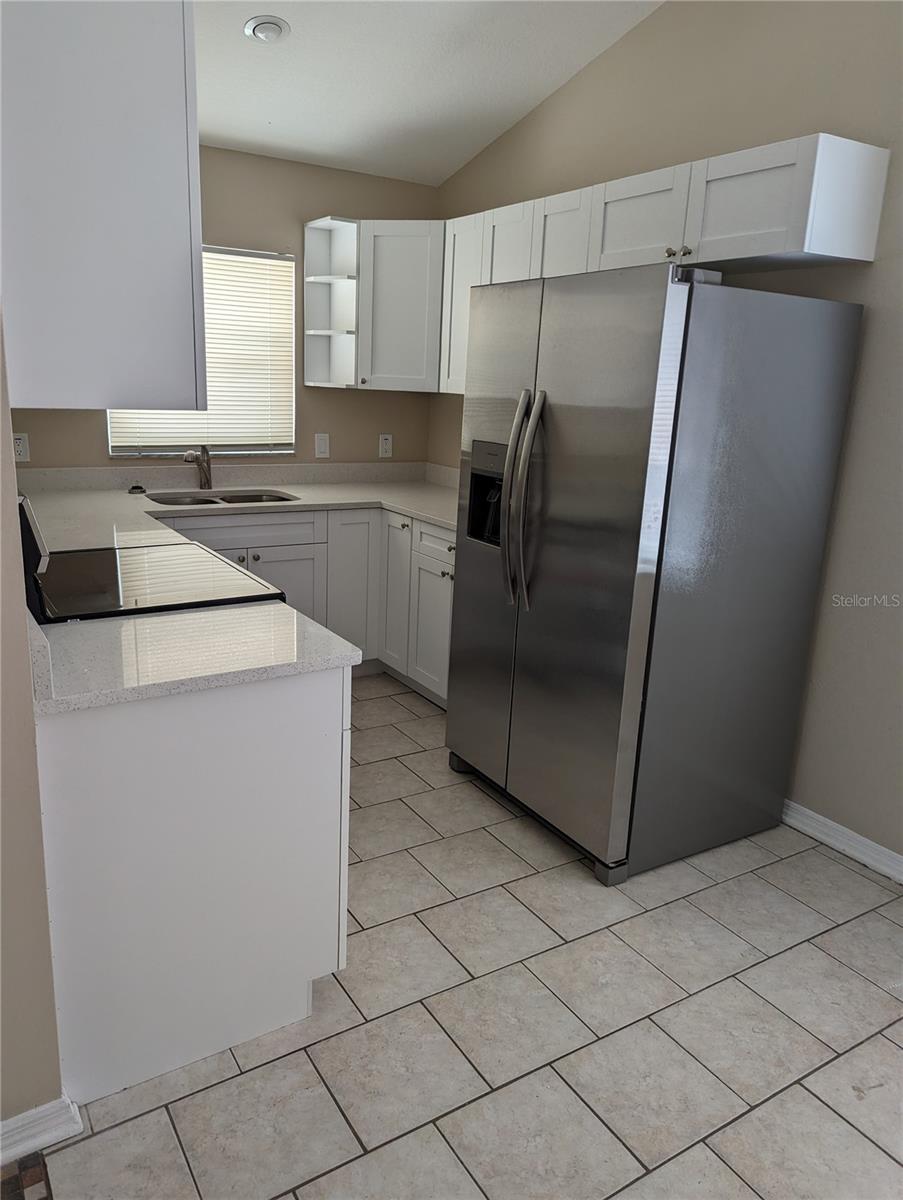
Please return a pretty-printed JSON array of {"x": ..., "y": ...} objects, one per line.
[
  {"x": 102, "y": 304},
  {"x": 812, "y": 197},
  {"x": 463, "y": 262},
  {"x": 399, "y": 303},
  {"x": 508, "y": 243},
  {"x": 640, "y": 219},
  {"x": 561, "y": 228}
]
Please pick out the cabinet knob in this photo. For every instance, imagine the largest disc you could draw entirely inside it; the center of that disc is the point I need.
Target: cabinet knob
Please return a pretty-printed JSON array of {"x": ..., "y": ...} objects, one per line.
[
  {"x": 255, "y": 557},
  {"x": 241, "y": 558},
  {"x": 444, "y": 574},
  {"x": 684, "y": 251},
  {"x": 670, "y": 252},
  {"x": 363, "y": 380},
  {"x": 450, "y": 549},
  {"x": 405, "y": 525}
]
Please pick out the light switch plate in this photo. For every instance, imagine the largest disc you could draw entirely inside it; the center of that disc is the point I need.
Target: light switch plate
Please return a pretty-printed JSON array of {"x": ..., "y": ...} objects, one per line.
[
  {"x": 385, "y": 445},
  {"x": 20, "y": 446},
  {"x": 321, "y": 445}
]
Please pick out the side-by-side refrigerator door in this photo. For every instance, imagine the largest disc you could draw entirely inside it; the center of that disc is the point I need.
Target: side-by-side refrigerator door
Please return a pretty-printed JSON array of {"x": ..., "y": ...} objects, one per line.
[
  {"x": 586, "y": 542},
  {"x": 499, "y": 386}
]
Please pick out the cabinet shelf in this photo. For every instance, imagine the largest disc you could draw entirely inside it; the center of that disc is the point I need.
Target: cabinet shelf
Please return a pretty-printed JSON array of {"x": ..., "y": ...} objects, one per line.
[{"x": 328, "y": 278}]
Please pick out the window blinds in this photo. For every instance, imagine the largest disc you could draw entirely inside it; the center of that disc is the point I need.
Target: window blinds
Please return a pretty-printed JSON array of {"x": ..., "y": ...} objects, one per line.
[{"x": 249, "y": 315}]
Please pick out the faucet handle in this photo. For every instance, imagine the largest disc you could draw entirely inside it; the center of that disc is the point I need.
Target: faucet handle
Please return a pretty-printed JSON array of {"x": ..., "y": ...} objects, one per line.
[{"x": 191, "y": 456}]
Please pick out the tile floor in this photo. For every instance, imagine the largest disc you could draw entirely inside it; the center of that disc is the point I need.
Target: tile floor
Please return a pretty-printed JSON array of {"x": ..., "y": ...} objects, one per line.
[{"x": 722, "y": 1028}]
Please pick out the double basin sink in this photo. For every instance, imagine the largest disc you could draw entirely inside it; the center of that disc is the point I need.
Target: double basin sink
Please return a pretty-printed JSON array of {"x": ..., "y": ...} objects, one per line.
[{"x": 186, "y": 499}]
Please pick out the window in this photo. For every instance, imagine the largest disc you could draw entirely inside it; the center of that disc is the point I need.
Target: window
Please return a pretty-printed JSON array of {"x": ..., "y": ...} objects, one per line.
[{"x": 249, "y": 314}]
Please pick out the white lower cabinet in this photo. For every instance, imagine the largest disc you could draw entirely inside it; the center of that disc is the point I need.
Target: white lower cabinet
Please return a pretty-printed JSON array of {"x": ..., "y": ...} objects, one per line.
[
  {"x": 430, "y": 622},
  {"x": 299, "y": 571},
  {"x": 395, "y": 591},
  {"x": 352, "y": 576}
]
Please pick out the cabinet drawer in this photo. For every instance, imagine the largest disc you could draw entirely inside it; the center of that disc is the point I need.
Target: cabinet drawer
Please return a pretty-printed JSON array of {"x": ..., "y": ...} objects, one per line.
[
  {"x": 434, "y": 541},
  {"x": 251, "y": 529}
]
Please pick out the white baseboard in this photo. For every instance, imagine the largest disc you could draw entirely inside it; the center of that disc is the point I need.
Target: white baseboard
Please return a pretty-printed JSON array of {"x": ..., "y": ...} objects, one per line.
[
  {"x": 838, "y": 837},
  {"x": 39, "y": 1128}
]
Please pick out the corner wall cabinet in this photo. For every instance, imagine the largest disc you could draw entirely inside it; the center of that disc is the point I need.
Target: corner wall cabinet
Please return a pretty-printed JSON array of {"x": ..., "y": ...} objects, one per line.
[
  {"x": 463, "y": 265},
  {"x": 330, "y": 302},
  {"x": 101, "y": 225}
]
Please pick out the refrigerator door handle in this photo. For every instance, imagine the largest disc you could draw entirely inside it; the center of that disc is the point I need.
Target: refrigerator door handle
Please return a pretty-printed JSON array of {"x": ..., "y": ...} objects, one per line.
[
  {"x": 520, "y": 497},
  {"x": 507, "y": 482}
]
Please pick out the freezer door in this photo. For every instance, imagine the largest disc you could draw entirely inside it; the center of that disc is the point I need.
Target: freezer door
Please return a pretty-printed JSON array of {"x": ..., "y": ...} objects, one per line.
[
  {"x": 501, "y": 371},
  {"x": 591, "y": 530}
]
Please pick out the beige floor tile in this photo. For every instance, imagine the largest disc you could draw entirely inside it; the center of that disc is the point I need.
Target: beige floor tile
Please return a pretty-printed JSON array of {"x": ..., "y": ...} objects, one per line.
[
  {"x": 825, "y": 997},
  {"x": 782, "y": 840},
  {"x": 332, "y": 1012},
  {"x": 825, "y": 885},
  {"x": 396, "y": 964},
  {"x": 534, "y": 843},
  {"x": 384, "y": 828},
  {"x": 471, "y": 862},
  {"x": 572, "y": 900},
  {"x": 724, "y": 862},
  {"x": 871, "y": 945},
  {"x": 687, "y": 945},
  {"x": 370, "y": 687},
  {"x": 795, "y": 1146},
  {"x": 352, "y": 856},
  {"x": 158, "y": 1091},
  {"x": 607, "y": 984},
  {"x": 760, "y": 913},
  {"x": 664, "y": 884},
  {"x": 534, "y": 1140},
  {"x": 419, "y": 705},
  {"x": 427, "y": 732},
  {"x": 391, "y": 886},
  {"x": 263, "y": 1132},
  {"x": 866, "y": 1086},
  {"x": 755, "y": 1049},
  {"x": 697, "y": 1174},
  {"x": 366, "y": 714},
  {"x": 353, "y": 924},
  {"x": 893, "y": 911},
  {"x": 379, "y": 743},
  {"x": 497, "y": 794},
  {"x": 895, "y": 1033},
  {"x": 489, "y": 930},
  {"x": 139, "y": 1160},
  {"x": 861, "y": 869},
  {"x": 419, "y": 1166},
  {"x": 432, "y": 766},
  {"x": 508, "y": 1023},
  {"x": 652, "y": 1093},
  {"x": 380, "y": 781},
  {"x": 396, "y": 1073},
  {"x": 458, "y": 809}
]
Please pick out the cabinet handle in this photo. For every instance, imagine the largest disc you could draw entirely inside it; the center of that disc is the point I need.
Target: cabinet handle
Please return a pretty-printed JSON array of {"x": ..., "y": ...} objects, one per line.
[
  {"x": 670, "y": 252},
  {"x": 405, "y": 525},
  {"x": 241, "y": 558},
  {"x": 684, "y": 251},
  {"x": 255, "y": 557},
  {"x": 450, "y": 549}
]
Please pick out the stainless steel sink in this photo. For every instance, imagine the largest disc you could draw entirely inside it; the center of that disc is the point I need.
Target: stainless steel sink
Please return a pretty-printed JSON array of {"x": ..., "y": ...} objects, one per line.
[
  {"x": 184, "y": 498},
  {"x": 190, "y": 499},
  {"x": 252, "y": 497}
]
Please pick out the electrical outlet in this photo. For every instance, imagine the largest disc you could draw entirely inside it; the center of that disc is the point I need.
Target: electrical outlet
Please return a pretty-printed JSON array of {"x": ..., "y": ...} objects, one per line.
[
  {"x": 20, "y": 445},
  {"x": 385, "y": 445},
  {"x": 321, "y": 445}
]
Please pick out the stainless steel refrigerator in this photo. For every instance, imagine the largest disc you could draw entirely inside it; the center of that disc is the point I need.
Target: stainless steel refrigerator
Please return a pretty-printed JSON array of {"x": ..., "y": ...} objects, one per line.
[{"x": 648, "y": 460}]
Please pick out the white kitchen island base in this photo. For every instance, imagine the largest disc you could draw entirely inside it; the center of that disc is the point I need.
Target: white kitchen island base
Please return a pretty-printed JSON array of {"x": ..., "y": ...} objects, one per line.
[{"x": 196, "y": 851}]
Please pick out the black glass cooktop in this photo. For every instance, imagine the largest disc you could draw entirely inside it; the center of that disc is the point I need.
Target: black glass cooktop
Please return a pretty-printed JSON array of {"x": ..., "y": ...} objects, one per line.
[{"x": 81, "y": 584}]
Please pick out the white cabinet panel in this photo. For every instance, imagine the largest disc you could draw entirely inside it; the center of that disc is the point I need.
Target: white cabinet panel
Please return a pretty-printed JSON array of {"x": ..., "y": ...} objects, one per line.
[
  {"x": 435, "y": 542},
  {"x": 430, "y": 632},
  {"x": 561, "y": 227},
  {"x": 399, "y": 304},
  {"x": 640, "y": 219},
  {"x": 103, "y": 303},
  {"x": 254, "y": 529},
  {"x": 507, "y": 243},
  {"x": 236, "y": 556},
  {"x": 395, "y": 591},
  {"x": 299, "y": 571},
  {"x": 463, "y": 261},
  {"x": 352, "y": 606}
]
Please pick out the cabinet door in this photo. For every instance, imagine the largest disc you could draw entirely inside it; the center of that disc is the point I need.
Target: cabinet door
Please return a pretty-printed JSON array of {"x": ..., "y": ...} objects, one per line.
[
  {"x": 101, "y": 206},
  {"x": 237, "y": 556},
  {"x": 352, "y": 602},
  {"x": 399, "y": 303},
  {"x": 754, "y": 202},
  {"x": 395, "y": 591},
  {"x": 463, "y": 260},
  {"x": 561, "y": 234},
  {"x": 430, "y": 633},
  {"x": 640, "y": 219},
  {"x": 300, "y": 572},
  {"x": 507, "y": 243}
]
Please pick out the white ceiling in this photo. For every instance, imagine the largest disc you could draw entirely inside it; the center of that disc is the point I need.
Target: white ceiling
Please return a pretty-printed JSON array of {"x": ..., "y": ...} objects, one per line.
[{"x": 411, "y": 89}]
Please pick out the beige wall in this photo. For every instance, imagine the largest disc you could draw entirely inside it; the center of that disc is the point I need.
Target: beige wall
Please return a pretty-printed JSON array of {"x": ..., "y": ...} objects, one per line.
[
  {"x": 260, "y": 203},
  {"x": 697, "y": 79},
  {"x": 30, "y": 1073}
]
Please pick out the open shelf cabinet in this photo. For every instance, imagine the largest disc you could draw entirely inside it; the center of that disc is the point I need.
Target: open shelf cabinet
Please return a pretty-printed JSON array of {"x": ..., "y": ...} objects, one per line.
[{"x": 330, "y": 302}]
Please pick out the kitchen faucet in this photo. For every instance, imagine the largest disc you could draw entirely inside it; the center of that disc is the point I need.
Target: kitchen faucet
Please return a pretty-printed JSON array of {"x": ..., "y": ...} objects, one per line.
[{"x": 201, "y": 456}]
